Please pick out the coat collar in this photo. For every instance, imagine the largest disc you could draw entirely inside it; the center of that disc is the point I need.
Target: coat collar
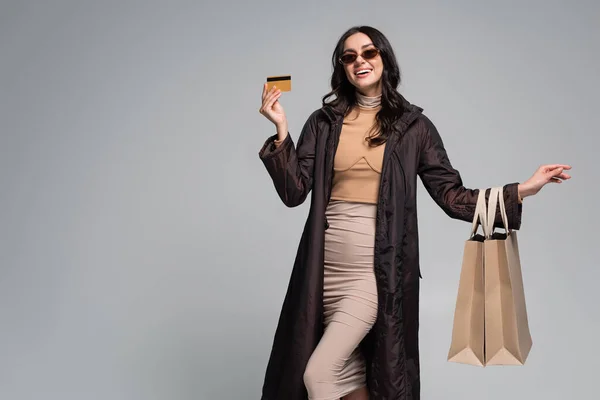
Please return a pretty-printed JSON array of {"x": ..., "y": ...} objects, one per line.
[{"x": 411, "y": 112}]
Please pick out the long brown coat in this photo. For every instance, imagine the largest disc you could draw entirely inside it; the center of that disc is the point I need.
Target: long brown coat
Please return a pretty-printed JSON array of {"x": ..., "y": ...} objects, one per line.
[{"x": 391, "y": 347}]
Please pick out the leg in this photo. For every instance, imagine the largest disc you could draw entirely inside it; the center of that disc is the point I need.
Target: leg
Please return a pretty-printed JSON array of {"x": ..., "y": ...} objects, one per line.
[{"x": 336, "y": 367}]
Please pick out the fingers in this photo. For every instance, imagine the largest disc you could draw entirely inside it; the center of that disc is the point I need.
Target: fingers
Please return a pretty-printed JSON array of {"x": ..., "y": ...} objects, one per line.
[
  {"x": 272, "y": 99},
  {"x": 554, "y": 172},
  {"x": 563, "y": 166},
  {"x": 557, "y": 176},
  {"x": 268, "y": 103},
  {"x": 272, "y": 93},
  {"x": 269, "y": 100},
  {"x": 558, "y": 173},
  {"x": 265, "y": 93},
  {"x": 550, "y": 167}
]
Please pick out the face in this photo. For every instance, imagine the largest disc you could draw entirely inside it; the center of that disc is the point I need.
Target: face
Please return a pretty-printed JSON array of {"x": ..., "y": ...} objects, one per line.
[{"x": 364, "y": 74}]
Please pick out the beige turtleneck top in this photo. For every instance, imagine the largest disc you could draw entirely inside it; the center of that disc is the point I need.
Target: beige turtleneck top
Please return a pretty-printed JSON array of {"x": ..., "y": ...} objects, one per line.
[{"x": 357, "y": 166}]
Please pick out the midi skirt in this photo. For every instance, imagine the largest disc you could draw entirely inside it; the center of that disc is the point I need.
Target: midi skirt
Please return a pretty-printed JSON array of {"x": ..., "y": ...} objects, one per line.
[{"x": 337, "y": 367}]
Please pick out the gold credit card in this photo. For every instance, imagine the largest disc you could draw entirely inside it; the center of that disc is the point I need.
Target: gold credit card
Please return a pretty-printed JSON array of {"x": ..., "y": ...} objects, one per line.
[{"x": 283, "y": 82}]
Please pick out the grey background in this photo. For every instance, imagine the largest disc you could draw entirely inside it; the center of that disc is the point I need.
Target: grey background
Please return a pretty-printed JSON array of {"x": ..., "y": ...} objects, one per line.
[{"x": 144, "y": 253}]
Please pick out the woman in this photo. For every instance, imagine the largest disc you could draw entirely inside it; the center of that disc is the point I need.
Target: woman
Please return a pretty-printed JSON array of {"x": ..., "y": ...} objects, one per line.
[{"x": 349, "y": 323}]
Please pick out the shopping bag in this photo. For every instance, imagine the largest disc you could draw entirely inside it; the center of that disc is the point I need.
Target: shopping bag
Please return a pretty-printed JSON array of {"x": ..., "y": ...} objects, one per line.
[
  {"x": 507, "y": 336},
  {"x": 467, "y": 344}
]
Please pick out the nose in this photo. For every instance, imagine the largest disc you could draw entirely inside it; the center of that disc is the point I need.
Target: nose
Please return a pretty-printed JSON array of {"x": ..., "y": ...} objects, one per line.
[{"x": 359, "y": 60}]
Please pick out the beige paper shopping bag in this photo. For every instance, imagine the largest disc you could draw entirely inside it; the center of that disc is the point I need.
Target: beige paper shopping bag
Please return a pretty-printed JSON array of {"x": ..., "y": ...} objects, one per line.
[
  {"x": 467, "y": 345},
  {"x": 507, "y": 336}
]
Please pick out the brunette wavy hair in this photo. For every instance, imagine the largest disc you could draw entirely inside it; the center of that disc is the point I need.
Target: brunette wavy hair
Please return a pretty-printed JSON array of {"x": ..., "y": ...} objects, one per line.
[{"x": 342, "y": 97}]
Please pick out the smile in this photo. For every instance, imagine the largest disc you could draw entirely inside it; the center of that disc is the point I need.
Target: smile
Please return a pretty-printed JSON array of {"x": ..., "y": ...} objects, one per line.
[{"x": 362, "y": 73}]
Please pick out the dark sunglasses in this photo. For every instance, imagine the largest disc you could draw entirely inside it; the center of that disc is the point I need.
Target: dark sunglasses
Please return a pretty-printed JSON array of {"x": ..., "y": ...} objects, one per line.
[{"x": 368, "y": 54}]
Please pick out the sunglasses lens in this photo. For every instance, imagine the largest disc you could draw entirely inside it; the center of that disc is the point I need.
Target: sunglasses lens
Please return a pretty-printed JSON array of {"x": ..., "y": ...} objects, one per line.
[
  {"x": 371, "y": 53},
  {"x": 348, "y": 58}
]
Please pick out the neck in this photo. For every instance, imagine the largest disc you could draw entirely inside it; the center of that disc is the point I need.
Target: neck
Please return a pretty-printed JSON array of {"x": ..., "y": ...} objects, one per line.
[{"x": 371, "y": 101}]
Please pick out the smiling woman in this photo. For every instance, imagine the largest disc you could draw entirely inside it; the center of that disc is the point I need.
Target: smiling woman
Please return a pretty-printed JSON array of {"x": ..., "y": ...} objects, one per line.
[{"x": 349, "y": 323}]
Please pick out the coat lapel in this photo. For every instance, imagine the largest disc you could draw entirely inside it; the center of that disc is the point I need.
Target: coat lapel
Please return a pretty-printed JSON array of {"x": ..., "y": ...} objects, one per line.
[{"x": 333, "y": 139}]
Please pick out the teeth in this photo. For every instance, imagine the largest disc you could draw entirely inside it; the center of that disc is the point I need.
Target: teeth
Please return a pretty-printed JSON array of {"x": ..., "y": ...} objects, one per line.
[{"x": 363, "y": 71}]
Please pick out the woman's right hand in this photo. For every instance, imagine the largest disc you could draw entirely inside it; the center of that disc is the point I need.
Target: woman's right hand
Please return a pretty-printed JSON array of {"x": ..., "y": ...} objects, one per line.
[{"x": 272, "y": 109}]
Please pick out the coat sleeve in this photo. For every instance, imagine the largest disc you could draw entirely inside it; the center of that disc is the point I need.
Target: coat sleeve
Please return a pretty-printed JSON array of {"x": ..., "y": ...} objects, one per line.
[
  {"x": 291, "y": 167},
  {"x": 444, "y": 183}
]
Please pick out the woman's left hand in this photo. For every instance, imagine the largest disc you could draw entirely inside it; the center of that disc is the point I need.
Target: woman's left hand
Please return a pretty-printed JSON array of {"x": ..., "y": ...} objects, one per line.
[{"x": 552, "y": 173}]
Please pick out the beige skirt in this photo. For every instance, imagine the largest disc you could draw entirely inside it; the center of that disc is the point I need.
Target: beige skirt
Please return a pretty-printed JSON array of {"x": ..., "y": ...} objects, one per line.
[{"x": 336, "y": 367}]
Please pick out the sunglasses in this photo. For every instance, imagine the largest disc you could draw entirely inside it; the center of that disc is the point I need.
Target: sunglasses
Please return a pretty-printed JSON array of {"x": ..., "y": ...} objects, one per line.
[{"x": 368, "y": 54}]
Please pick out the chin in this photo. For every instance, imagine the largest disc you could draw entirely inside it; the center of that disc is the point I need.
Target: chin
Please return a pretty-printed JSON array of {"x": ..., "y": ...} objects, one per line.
[{"x": 366, "y": 85}]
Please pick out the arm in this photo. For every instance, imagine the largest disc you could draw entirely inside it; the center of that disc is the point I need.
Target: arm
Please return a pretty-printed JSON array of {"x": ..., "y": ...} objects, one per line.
[
  {"x": 445, "y": 186},
  {"x": 290, "y": 167}
]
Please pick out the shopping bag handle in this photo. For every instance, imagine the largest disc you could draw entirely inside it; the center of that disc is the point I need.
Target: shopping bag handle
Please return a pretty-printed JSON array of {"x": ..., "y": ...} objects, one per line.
[
  {"x": 496, "y": 200},
  {"x": 479, "y": 218}
]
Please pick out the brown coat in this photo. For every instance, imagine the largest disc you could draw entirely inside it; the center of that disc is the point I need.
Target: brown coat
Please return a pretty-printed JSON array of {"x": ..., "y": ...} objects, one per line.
[{"x": 391, "y": 347}]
